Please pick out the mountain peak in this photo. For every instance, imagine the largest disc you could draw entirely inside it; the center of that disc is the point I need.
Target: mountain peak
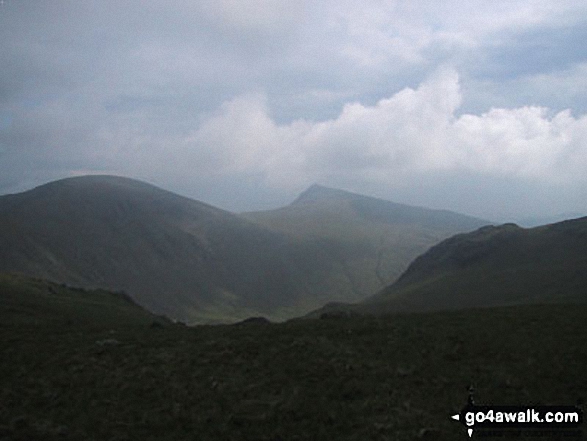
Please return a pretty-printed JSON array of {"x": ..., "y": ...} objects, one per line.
[{"x": 318, "y": 193}]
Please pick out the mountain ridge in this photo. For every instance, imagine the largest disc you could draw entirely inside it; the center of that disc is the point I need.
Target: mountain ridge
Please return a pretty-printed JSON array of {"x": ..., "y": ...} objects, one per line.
[
  {"x": 370, "y": 206},
  {"x": 316, "y": 192}
]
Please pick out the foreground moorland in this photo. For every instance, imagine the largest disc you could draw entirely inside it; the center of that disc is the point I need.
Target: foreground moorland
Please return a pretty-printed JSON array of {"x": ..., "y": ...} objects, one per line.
[{"x": 70, "y": 370}]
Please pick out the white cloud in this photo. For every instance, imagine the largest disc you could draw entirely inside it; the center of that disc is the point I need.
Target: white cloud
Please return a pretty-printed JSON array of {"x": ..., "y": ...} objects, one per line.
[{"x": 414, "y": 131}]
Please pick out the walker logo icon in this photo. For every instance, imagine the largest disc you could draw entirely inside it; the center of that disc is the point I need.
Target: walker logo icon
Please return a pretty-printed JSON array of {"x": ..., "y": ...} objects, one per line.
[{"x": 533, "y": 420}]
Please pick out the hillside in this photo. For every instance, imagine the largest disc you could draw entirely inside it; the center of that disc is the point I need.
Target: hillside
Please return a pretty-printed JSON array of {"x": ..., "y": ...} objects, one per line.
[
  {"x": 193, "y": 262},
  {"x": 493, "y": 266},
  {"x": 370, "y": 240},
  {"x": 77, "y": 365}
]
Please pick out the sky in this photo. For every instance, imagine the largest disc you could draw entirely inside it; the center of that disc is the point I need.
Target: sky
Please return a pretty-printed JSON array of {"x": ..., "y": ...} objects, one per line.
[{"x": 478, "y": 107}]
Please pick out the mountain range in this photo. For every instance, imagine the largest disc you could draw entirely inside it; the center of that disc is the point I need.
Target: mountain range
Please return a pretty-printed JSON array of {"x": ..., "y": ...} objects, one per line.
[{"x": 197, "y": 263}]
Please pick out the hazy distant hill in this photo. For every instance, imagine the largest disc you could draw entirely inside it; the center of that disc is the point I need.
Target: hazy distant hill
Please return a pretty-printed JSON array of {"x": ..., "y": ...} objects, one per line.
[
  {"x": 370, "y": 241},
  {"x": 503, "y": 265},
  {"x": 193, "y": 262}
]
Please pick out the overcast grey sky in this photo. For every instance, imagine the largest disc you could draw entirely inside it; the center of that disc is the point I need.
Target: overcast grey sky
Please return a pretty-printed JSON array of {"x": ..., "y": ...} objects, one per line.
[{"x": 474, "y": 106}]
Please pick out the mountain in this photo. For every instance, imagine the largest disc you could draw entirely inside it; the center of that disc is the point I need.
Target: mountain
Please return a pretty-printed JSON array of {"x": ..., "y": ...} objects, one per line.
[
  {"x": 173, "y": 255},
  {"x": 368, "y": 241},
  {"x": 196, "y": 263},
  {"x": 492, "y": 266}
]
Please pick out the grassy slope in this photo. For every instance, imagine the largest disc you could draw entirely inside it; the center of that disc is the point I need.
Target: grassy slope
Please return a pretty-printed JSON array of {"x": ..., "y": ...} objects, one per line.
[
  {"x": 492, "y": 266},
  {"x": 496, "y": 266},
  {"x": 370, "y": 241},
  {"x": 35, "y": 302},
  {"x": 398, "y": 377}
]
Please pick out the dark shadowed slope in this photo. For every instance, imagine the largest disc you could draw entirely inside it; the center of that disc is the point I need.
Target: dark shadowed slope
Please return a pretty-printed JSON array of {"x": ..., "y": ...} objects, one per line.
[
  {"x": 173, "y": 255},
  {"x": 504, "y": 265},
  {"x": 369, "y": 241},
  {"x": 25, "y": 301}
]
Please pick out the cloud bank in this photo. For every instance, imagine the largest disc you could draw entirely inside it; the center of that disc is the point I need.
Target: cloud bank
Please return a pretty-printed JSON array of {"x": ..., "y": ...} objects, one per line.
[
  {"x": 390, "y": 147},
  {"x": 476, "y": 107}
]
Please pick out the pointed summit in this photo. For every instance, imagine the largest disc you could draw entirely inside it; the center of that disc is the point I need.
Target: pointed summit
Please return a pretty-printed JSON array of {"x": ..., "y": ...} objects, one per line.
[{"x": 319, "y": 193}]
